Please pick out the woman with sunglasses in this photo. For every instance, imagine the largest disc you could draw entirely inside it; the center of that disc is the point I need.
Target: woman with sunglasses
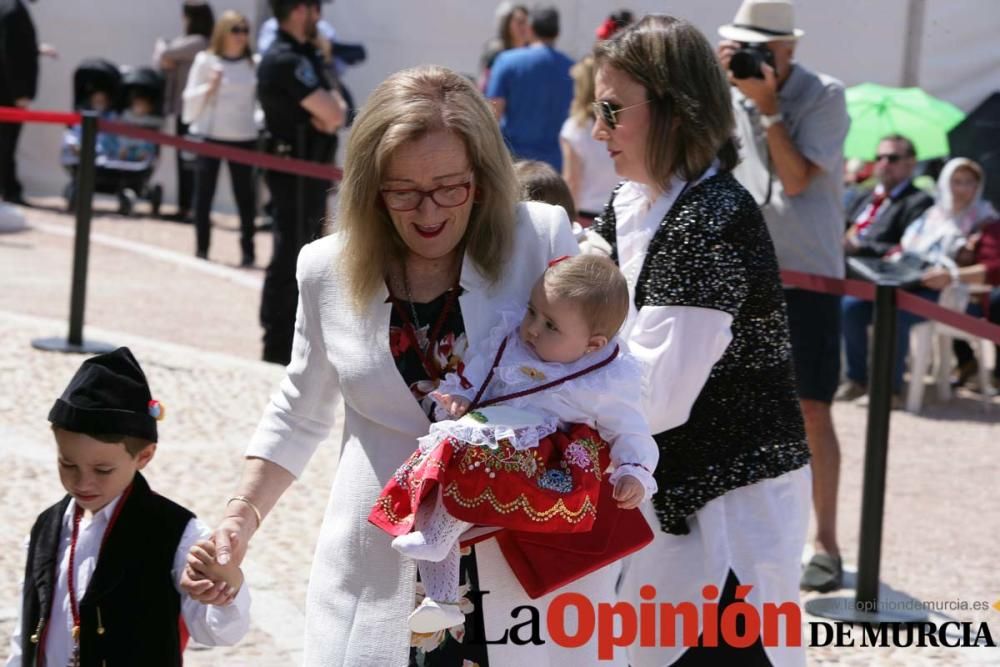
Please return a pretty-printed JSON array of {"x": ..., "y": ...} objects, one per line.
[
  {"x": 219, "y": 102},
  {"x": 429, "y": 240},
  {"x": 708, "y": 318}
]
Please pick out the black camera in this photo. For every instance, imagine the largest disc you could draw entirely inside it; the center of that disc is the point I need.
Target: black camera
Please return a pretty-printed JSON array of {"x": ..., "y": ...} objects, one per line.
[{"x": 746, "y": 62}]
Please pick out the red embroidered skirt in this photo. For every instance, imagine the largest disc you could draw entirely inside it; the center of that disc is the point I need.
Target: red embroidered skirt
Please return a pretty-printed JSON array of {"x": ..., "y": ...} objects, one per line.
[{"x": 550, "y": 488}]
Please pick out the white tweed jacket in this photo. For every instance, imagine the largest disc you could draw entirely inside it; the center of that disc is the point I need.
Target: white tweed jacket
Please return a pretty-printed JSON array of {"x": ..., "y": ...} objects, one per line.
[{"x": 361, "y": 590}]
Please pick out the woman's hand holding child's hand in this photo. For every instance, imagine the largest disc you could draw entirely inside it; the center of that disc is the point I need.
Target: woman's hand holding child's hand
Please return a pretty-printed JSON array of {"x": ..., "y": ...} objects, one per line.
[
  {"x": 203, "y": 572},
  {"x": 455, "y": 405},
  {"x": 628, "y": 492}
]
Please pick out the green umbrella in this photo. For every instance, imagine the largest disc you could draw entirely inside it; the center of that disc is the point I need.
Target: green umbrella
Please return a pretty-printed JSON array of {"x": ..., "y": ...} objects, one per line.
[{"x": 877, "y": 111}]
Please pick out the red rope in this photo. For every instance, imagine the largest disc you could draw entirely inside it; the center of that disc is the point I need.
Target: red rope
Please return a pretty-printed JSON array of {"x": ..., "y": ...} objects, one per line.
[
  {"x": 19, "y": 115},
  {"x": 256, "y": 158}
]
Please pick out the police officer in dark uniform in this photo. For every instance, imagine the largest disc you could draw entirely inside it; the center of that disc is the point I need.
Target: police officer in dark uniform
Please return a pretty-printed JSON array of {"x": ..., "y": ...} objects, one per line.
[{"x": 302, "y": 112}]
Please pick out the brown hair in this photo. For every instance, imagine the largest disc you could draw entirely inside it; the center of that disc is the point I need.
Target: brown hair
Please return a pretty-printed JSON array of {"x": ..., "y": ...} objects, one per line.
[
  {"x": 225, "y": 23},
  {"x": 595, "y": 283},
  {"x": 403, "y": 108},
  {"x": 581, "y": 109},
  {"x": 504, "y": 21},
  {"x": 132, "y": 444},
  {"x": 540, "y": 182},
  {"x": 691, "y": 113}
]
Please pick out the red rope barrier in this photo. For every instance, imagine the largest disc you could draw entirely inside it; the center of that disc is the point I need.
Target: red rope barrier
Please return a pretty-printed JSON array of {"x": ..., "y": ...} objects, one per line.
[
  {"x": 837, "y": 286},
  {"x": 931, "y": 311},
  {"x": 255, "y": 158},
  {"x": 19, "y": 115},
  {"x": 911, "y": 303}
]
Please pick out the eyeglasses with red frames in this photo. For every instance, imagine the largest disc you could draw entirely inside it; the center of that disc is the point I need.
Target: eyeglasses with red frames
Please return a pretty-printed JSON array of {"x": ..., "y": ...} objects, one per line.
[
  {"x": 446, "y": 196},
  {"x": 608, "y": 112}
]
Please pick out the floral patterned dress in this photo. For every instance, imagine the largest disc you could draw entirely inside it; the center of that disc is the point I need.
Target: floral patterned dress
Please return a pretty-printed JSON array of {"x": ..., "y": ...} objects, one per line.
[{"x": 413, "y": 353}]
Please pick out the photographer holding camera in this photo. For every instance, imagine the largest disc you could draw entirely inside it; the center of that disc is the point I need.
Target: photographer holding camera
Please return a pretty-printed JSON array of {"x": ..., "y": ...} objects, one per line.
[{"x": 791, "y": 123}]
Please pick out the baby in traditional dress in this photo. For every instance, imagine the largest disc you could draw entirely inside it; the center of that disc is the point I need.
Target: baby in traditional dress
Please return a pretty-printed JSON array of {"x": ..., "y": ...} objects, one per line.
[{"x": 521, "y": 444}]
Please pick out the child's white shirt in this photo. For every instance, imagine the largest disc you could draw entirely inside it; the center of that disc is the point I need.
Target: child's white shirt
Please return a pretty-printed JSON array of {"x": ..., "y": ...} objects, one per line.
[
  {"x": 208, "y": 624},
  {"x": 608, "y": 399}
]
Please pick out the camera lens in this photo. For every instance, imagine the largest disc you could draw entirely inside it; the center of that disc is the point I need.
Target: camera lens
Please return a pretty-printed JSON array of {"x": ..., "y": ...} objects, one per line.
[{"x": 745, "y": 63}]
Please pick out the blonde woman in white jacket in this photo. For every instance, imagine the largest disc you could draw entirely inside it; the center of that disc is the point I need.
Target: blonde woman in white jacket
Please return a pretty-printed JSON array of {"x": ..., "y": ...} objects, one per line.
[
  {"x": 429, "y": 240},
  {"x": 219, "y": 104}
]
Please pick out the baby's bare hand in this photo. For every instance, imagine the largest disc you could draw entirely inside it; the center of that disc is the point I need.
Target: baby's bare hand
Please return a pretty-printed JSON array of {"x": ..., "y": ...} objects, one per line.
[
  {"x": 628, "y": 492},
  {"x": 455, "y": 405}
]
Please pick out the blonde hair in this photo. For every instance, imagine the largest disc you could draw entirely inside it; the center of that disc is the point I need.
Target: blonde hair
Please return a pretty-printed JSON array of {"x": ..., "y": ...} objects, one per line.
[
  {"x": 684, "y": 81},
  {"x": 403, "y": 108},
  {"x": 581, "y": 109},
  {"x": 222, "y": 27},
  {"x": 596, "y": 285}
]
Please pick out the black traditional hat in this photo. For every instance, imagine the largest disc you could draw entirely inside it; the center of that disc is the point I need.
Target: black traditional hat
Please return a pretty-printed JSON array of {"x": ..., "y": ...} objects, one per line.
[{"x": 109, "y": 394}]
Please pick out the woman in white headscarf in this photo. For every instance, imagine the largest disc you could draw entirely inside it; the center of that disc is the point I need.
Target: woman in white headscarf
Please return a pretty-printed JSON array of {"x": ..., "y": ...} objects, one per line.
[
  {"x": 960, "y": 206},
  {"x": 960, "y": 210}
]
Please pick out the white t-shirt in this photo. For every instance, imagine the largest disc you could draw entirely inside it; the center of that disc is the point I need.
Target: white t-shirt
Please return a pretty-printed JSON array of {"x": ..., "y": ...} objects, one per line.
[
  {"x": 228, "y": 114},
  {"x": 597, "y": 175}
]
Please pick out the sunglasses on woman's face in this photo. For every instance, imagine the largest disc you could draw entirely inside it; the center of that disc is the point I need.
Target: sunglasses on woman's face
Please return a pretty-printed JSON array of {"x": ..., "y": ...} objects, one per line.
[
  {"x": 608, "y": 112},
  {"x": 240, "y": 30}
]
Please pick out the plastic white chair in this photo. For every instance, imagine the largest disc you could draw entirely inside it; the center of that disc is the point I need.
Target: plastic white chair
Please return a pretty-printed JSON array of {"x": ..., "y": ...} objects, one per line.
[{"x": 926, "y": 336}]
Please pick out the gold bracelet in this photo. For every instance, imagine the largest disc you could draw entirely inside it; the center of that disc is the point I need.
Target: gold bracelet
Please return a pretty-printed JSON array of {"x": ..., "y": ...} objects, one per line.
[{"x": 244, "y": 499}]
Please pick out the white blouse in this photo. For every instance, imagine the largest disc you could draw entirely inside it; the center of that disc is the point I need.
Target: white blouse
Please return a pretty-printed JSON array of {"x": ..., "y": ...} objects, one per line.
[
  {"x": 607, "y": 399},
  {"x": 757, "y": 531},
  {"x": 208, "y": 624},
  {"x": 227, "y": 114}
]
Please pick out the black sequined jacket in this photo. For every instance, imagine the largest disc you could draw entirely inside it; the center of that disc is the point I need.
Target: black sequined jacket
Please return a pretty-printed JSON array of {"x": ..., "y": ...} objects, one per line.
[{"x": 712, "y": 250}]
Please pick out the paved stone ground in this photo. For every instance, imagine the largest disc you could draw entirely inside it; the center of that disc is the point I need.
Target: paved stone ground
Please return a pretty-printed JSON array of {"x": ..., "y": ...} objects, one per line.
[{"x": 194, "y": 326}]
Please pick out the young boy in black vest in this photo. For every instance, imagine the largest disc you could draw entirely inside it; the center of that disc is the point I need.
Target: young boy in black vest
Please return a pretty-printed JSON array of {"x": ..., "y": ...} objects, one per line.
[{"x": 102, "y": 580}]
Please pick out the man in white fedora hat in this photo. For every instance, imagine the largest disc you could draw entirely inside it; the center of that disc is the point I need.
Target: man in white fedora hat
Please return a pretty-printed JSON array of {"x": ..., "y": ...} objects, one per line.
[{"x": 792, "y": 123}]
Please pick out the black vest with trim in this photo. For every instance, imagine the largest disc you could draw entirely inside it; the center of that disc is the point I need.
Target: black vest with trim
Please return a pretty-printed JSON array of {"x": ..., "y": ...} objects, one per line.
[
  {"x": 712, "y": 250},
  {"x": 130, "y": 612}
]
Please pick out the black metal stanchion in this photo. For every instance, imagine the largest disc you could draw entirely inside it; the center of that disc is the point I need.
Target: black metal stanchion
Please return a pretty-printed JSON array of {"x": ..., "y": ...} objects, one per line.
[
  {"x": 81, "y": 249},
  {"x": 864, "y": 607}
]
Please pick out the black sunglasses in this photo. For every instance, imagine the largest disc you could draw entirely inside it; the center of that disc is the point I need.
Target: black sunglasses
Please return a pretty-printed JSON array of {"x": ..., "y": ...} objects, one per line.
[
  {"x": 240, "y": 30},
  {"x": 608, "y": 112}
]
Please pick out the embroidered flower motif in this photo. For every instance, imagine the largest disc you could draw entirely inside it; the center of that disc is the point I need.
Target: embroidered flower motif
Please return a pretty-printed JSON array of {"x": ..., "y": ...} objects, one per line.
[
  {"x": 577, "y": 455},
  {"x": 399, "y": 341},
  {"x": 477, "y": 416},
  {"x": 556, "y": 480},
  {"x": 533, "y": 373}
]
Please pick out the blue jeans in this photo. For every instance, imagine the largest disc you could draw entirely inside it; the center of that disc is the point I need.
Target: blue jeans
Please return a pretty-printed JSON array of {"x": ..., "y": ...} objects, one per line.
[{"x": 856, "y": 316}]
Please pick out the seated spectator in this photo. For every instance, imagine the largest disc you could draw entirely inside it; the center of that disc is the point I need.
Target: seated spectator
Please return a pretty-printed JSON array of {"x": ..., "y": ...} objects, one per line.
[
  {"x": 540, "y": 182},
  {"x": 932, "y": 241},
  {"x": 587, "y": 167},
  {"x": 978, "y": 260},
  {"x": 876, "y": 221}
]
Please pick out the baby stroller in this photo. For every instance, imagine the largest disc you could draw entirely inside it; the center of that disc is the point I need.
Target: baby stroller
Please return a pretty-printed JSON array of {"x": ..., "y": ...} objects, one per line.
[{"x": 124, "y": 166}]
